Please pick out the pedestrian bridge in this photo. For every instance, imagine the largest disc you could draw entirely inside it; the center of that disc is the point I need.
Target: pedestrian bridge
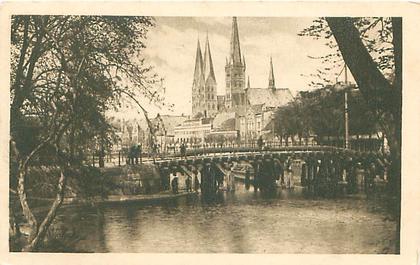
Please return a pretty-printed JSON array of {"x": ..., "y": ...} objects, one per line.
[
  {"x": 324, "y": 165},
  {"x": 233, "y": 153}
]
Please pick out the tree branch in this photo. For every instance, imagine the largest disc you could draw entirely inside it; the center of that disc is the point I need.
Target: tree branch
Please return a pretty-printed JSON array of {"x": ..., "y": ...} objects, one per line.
[{"x": 372, "y": 84}]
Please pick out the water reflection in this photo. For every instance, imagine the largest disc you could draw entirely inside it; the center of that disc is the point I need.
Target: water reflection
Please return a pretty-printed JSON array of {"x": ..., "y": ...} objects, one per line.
[{"x": 240, "y": 222}]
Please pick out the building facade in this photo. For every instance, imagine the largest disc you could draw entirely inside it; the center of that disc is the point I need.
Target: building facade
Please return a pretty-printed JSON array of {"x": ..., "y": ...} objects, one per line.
[{"x": 193, "y": 131}]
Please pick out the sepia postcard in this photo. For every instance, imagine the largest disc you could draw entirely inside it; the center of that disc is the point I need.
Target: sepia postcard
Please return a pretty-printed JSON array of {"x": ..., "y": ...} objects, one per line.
[{"x": 209, "y": 132}]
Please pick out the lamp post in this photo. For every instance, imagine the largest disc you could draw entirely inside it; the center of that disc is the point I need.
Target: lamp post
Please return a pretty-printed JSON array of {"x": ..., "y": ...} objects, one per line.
[
  {"x": 346, "y": 111},
  {"x": 346, "y": 121},
  {"x": 346, "y": 87},
  {"x": 245, "y": 115}
]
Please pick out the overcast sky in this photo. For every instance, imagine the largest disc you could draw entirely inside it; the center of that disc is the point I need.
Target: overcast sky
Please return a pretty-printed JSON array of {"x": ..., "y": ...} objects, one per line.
[{"x": 171, "y": 48}]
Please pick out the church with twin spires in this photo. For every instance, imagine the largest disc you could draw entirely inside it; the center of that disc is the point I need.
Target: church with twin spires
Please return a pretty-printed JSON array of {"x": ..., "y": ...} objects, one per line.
[
  {"x": 243, "y": 111},
  {"x": 239, "y": 94}
]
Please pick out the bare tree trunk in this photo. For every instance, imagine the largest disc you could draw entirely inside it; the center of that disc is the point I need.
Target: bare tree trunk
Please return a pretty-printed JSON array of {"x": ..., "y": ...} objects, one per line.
[
  {"x": 21, "y": 175},
  {"x": 33, "y": 224},
  {"x": 43, "y": 228}
]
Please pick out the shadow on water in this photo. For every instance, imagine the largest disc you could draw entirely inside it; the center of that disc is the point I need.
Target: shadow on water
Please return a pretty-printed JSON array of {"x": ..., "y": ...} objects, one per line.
[
  {"x": 217, "y": 198},
  {"x": 285, "y": 220}
]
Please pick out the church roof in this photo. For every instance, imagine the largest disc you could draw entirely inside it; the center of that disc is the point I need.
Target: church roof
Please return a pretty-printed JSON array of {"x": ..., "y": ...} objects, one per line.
[
  {"x": 256, "y": 108},
  {"x": 269, "y": 97}
]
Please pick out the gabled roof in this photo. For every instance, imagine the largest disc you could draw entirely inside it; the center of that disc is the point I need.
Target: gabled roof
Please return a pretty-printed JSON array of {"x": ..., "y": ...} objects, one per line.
[
  {"x": 254, "y": 109},
  {"x": 170, "y": 121},
  {"x": 271, "y": 98},
  {"x": 224, "y": 120},
  {"x": 228, "y": 125}
]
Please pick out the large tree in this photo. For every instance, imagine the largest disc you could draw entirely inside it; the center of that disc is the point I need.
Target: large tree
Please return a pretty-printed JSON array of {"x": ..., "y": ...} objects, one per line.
[
  {"x": 372, "y": 50},
  {"x": 384, "y": 96},
  {"x": 66, "y": 72}
]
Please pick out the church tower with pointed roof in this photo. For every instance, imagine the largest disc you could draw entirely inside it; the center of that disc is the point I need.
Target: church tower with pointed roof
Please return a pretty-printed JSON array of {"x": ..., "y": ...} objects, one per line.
[
  {"x": 198, "y": 81},
  {"x": 271, "y": 80},
  {"x": 204, "y": 89},
  {"x": 235, "y": 71}
]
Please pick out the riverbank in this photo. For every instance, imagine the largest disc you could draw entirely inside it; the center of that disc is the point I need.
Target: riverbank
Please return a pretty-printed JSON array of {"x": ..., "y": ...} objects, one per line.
[{"x": 45, "y": 203}]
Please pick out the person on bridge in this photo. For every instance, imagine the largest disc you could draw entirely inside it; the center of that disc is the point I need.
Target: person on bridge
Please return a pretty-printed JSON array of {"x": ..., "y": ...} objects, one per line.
[{"x": 183, "y": 150}]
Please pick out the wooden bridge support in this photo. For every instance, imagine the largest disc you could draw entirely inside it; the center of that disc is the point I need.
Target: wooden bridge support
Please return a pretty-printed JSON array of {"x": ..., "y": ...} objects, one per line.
[
  {"x": 322, "y": 172},
  {"x": 208, "y": 180}
]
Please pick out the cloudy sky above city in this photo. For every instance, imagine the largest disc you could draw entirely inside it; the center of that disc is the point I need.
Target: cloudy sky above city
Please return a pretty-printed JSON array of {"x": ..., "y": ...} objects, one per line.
[{"x": 171, "y": 48}]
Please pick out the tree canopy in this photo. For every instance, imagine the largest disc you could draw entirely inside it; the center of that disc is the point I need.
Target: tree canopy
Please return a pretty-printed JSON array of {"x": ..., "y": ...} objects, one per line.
[
  {"x": 66, "y": 72},
  {"x": 320, "y": 112}
]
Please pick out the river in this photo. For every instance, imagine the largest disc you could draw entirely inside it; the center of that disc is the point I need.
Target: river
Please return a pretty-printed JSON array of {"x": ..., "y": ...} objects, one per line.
[{"x": 239, "y": 222}]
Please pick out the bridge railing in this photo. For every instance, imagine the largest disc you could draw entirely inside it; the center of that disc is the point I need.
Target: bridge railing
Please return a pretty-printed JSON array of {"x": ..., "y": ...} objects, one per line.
[{"x": 119, "y": 159}]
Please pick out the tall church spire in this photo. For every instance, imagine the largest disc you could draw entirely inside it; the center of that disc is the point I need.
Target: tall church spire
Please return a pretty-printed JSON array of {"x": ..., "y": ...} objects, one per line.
[
  {"x": 271, "y": 81},
  {"x": 208, "y": 63},
  {"x": 198, "y": 69},
  {"x": 235, "y": 48}
]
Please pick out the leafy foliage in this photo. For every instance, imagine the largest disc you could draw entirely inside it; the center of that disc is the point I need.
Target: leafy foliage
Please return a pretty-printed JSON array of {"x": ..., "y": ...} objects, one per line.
[
  {"x": 66, "y": 73},
  {"x": 321, "y": 112},
  {"x": 376, "y": 34}
]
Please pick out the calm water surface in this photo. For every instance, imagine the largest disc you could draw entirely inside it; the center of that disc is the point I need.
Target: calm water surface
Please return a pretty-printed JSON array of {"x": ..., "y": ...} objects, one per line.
[{"x": 240, "y": 222}]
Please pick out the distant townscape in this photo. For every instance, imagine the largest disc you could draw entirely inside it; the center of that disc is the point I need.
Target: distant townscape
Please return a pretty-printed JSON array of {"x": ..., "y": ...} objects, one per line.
[{"x": 244, "y": 113}]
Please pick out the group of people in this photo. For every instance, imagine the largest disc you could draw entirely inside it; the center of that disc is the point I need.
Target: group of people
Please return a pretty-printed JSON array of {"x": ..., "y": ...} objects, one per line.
[
  {"x": 189, "y": 182},
  {"x": 134, "y": 155},
  {"x": 221, "y": 178}
]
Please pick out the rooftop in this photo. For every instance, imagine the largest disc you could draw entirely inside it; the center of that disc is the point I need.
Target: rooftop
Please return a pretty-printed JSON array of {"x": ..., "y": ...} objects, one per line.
[{"x": 270, "y": 97}]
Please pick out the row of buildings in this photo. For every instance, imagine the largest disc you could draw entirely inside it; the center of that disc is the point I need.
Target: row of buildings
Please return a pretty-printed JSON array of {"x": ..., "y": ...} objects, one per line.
[{"x": 242, "y": 114}]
